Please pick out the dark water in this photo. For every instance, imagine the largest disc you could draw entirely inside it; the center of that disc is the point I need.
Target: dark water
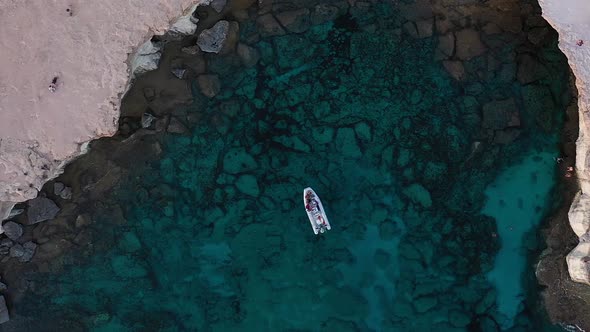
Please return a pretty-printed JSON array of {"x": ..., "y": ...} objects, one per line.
[{"x": 433, "y": 186}]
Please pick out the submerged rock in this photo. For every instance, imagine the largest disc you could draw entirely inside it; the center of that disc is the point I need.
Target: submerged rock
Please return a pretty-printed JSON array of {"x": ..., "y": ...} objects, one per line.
[
  {"x": 248, "y": 185},
  {"x": 249, "y": 55},
  {"x": 13, "y": 230},
  {"x": 176, "y": 127},
  {"x": 268, "y": 26},
  {"x": 41, "y": 209},
  {"x": 209, "y": 85},
  {"x": 500, "y": 114},
  {"x": 237, "y": 160},
  {"x": 468, "y": 44},
  {"x": 296, "y": 21},
  {"x": 418, "y": 194},
  {"x": 218, "y": 5},
  {"x": 4, "y": 315},
  {"x": 212, "y": 40},
  {"x": 5, "y": 245},
  {"x": 28, "y": 251}
]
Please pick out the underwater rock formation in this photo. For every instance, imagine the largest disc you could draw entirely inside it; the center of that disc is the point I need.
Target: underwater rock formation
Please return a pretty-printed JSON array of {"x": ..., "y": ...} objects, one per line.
[
  {"x": 571, "y": 20},
  {"x": 61, "y": 84}
]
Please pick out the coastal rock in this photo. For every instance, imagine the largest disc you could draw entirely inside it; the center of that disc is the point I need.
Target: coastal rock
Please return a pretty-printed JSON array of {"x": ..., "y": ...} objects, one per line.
[
  {"x": 211, "y": 40},
  {"x": 35, "y": 152},
  {"x": 146, "y": 59},
  {"x": 13, "y": 230},
  {"x": 41, "y": 209},
  {"x": 578, "y": 212},
  {"x": 578, "y": 263}
]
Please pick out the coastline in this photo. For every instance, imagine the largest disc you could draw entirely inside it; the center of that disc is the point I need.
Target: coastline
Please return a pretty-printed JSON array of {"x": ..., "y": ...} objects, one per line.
[
  {"x": 78, "y": 77},
  {"x": 570, "y": 188}
]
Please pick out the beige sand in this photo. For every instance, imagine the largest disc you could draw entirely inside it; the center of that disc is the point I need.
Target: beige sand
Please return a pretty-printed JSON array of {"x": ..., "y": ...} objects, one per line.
[
  {"x": 86, "y": 45},
  {"x": 571, "y": 19}
]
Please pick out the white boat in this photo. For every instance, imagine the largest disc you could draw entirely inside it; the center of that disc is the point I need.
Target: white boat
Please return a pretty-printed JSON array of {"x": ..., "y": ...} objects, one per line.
[{"x": 315, "y": 211}]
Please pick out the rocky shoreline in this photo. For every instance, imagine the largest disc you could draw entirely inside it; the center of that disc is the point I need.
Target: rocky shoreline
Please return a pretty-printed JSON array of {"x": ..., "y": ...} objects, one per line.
[{"x": 87, "y": 182}]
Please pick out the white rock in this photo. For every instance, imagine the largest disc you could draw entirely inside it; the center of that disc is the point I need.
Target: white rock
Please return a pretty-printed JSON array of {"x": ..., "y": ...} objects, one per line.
[
  {"x": 577, "y": 266},
  {"x": 571, "y": 20}
]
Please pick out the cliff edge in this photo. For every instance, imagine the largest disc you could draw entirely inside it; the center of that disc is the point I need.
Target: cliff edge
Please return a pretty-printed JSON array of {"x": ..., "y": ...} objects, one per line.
[
  {"x": 571, "y": 19},
  {"x": 65, "y": 65}
]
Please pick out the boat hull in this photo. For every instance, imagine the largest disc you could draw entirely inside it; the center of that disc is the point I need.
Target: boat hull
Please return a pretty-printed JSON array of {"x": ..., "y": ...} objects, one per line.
[{"x": 315, "y": 211}]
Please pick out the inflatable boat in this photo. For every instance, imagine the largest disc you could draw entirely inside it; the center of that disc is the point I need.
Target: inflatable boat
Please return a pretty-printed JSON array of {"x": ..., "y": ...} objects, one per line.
[{"x": 315, "y": 211}]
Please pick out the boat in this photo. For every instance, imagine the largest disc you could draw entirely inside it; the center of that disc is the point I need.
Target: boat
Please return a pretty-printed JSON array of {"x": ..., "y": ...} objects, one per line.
[{"x": 315, "y": 211}]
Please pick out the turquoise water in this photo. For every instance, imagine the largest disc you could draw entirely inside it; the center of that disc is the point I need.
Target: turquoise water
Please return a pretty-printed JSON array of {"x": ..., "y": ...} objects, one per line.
[{"x": 429, "y": 206}]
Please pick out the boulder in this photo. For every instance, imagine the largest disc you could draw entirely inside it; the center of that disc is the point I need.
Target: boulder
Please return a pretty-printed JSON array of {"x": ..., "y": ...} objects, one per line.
[
  {"x": 5, "y": 245},
  {"x": 58, "y": 187},
  {"x": 209, "y": 85},
  {"x": 62, "y": 191},
  {"x": 41, "y": 209},
  {"x": 13, "y": 230},
  {"x": 146, "y": 58},
  {"x": 212, "y": 40},
  {"x": 469, "y": 44},
  {"x": 218, "y": 5}
]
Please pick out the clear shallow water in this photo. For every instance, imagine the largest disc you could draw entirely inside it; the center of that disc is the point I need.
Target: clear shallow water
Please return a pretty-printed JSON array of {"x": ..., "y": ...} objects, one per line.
[
  {"x": 405, "y": 162},
  {"x": 517, "y": 200}
]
